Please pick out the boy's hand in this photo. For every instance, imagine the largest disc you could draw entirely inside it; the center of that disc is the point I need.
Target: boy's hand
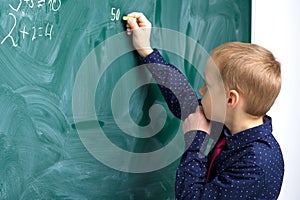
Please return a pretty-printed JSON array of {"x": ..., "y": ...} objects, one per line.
[
  {"x": 140, "y": 28},
  {"x": 196, "y": 121}
]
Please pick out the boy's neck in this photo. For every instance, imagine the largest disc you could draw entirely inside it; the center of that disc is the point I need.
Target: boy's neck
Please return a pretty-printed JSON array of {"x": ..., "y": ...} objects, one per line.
[{"x": 243, "y": 122}]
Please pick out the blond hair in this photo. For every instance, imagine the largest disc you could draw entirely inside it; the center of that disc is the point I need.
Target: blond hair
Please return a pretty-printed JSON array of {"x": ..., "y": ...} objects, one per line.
[{"x": 251, "y": 70}]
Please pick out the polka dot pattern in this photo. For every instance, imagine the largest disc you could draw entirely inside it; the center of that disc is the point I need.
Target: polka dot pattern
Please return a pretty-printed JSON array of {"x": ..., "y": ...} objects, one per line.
[
  {"x": 251, "y": 166},
  {"x": 178, "y": 93}
]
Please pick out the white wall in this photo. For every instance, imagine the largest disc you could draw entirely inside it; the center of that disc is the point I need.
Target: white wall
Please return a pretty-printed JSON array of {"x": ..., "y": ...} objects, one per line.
[{"x": 276, "y": 26}]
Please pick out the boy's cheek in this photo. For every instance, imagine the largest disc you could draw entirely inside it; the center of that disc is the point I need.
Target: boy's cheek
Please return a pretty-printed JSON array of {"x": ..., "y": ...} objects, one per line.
[
  {"x": 206, "y": 109},
  {"x": 206, "y": 114}
]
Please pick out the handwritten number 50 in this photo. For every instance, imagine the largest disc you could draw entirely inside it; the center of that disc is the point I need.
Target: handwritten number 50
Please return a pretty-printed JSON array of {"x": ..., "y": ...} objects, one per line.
[{"x": 115, "y": 14}]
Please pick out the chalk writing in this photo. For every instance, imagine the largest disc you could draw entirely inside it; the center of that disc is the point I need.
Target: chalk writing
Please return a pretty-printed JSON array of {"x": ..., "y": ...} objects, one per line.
[
  {"x": 53, "y": 4},
  {"x": 35, "y": 31},
  {"x": 9, "y": 36},
  {"x": 41, "y": 31},
  {"x": 115, "y": 14}
]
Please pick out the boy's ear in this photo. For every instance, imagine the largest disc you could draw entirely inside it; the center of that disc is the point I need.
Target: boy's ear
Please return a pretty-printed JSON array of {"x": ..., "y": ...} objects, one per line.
[{"x": 233, "y": 98}]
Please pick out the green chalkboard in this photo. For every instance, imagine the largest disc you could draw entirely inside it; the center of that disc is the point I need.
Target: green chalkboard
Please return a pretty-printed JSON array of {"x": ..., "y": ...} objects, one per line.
[{"x": 81, "y": 118}]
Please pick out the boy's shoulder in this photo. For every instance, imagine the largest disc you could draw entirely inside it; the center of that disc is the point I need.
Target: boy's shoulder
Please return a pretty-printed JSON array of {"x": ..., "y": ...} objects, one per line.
[
  {"x": 258, "y": 137},
  {"x": 258, "y": 143}
]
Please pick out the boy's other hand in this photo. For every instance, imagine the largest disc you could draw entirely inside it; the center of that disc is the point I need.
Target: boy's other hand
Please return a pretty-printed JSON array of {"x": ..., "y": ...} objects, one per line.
[
  {"x": 140, "y": 28},
  {"x": 196, "y": 121}
]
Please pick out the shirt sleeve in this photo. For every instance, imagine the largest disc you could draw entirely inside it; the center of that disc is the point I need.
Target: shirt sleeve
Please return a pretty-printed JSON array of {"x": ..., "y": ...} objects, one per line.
[
  {"x": 175, "y": 88},
  {"x": 237, "y": 181}
]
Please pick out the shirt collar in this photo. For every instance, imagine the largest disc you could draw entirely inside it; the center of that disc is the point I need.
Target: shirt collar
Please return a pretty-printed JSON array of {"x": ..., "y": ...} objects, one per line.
[{"x": 247, "y": 136}]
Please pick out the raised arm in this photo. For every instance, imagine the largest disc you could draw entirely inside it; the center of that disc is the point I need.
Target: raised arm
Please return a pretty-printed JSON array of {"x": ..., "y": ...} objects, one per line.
[{"x": 178, "y": 93}]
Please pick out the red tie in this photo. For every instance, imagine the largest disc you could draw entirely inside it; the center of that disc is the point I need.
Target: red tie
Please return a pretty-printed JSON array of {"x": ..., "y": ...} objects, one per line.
[{"x": 218, "y": 148}]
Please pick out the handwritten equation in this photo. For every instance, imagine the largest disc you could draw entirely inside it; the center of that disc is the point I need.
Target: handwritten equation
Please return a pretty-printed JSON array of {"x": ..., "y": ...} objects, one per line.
[{"x": 35, "y": 31}]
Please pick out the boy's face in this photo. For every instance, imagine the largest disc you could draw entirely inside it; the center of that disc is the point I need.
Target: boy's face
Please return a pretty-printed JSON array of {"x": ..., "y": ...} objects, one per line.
[{"x": 213, "y": 93}]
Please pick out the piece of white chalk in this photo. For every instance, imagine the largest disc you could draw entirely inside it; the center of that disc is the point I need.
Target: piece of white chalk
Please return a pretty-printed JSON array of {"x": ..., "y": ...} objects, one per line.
[{"x": 127, "y": 17}]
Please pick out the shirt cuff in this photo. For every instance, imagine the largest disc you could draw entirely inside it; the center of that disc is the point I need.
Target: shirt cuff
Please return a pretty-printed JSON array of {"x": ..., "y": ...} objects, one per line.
[
  {"x": 198, "y": 141},
  {"x": 154, "y": 57},
  {"x": 194, "y": 139}
]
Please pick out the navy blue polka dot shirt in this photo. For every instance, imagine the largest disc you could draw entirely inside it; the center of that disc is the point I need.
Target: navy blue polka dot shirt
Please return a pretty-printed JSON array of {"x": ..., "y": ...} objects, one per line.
[{"x": 250, "y": 167}]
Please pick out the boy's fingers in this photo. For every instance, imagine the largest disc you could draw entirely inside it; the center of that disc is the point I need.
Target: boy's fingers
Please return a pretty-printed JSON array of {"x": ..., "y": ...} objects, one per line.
[
  {"x": 140, "y": 16},
  {"x": 139, "y": 19},
  {"x": 197, "y": 109},
  {"x": 132, "y": 23}
]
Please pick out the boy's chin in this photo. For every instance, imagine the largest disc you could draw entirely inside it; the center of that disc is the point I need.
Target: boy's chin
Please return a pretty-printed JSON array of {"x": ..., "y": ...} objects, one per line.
[
  {"x": 208, "y": 118},
  {"x": 215, "y": 119}
]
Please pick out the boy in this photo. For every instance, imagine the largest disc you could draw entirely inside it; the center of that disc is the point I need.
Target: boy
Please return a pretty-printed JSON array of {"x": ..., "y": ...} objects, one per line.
[{"x": 250, "y": 165}]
